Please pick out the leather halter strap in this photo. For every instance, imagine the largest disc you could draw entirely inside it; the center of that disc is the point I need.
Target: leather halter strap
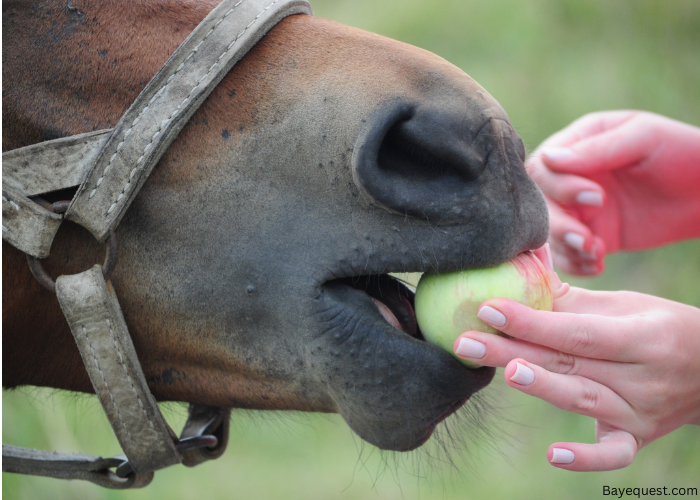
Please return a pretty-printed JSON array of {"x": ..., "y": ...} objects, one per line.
[
  {"x": 168, "y": 101},
  {"x": 111, "y": 166}
]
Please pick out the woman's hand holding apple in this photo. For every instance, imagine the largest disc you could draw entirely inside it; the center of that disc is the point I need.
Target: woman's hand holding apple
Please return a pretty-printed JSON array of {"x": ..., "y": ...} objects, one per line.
[
  {"x": 618, "y": 180},
  {"x": 629, "y": 360}
]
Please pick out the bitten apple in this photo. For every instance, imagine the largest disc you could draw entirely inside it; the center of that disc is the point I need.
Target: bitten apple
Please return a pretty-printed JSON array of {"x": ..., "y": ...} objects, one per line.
[{"x": 447, "y": 304}]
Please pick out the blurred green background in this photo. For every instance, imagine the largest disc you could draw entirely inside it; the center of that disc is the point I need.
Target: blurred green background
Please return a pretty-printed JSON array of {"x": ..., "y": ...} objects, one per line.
[{"x": 547, "y": 62}]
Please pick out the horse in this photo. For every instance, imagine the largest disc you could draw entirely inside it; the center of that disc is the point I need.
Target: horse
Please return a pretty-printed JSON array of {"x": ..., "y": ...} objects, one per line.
[{"x": 254, "y": 264}]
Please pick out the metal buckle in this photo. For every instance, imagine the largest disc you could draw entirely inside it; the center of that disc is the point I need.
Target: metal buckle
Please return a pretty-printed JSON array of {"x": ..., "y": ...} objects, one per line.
[
  {"x": 192, "y": 443},
  {"x": 43, "y": 277}
]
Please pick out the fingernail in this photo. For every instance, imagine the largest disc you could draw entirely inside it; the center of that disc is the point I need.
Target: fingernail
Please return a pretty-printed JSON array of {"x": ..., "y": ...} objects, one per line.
[
  {"x": 491, "y": 316},
  {"x": 558, "y": 154},
  {"x": 588, "y": 269},
  {"x": 562, "y": 456},
  {"x": 548, "y": 251},
  {"x": 575, "y": 240},
  {"x": 593, "y": 198},
  {"x": 523, "y": 375},
  {"x": 470, "y": 348},
  {"x": 589, "y": 255}
]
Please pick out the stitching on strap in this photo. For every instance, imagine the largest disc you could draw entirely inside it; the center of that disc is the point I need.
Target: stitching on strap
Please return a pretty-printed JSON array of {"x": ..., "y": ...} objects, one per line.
[
  {"x": 177, "y": 110},
  {"x": 104, "y": 381},
  {"x": 148, "y": 107},
  {"x": 117, "y": 347}
]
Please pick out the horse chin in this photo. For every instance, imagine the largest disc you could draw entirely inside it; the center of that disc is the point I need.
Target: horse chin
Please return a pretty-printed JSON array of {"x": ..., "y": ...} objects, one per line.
[{"x": 390, "y": 386}]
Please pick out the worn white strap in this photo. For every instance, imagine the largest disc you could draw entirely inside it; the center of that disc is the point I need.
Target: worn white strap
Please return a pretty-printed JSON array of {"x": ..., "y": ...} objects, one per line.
[
  {"x": 69, "y": 466},
  {"x": 92, "y": 310},
  {"x": 41, "y": 168},
  {"x": 52, "y": 165},
  {"x": 163, "y": 108},
  {"x": 26, "y": 225}
]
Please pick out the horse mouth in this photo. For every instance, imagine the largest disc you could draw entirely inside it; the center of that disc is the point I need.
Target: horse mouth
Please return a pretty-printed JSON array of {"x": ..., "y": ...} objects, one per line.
[
  {"x": 390, "y": 385},
  {"x": 393, "y": 298}
]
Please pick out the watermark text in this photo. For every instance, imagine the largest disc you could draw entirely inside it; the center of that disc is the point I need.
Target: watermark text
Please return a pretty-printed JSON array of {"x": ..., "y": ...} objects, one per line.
[{"x": 648, "y": 492}]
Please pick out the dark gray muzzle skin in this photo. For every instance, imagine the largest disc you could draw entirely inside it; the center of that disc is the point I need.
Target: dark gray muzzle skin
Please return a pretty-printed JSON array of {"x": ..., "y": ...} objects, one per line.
[{"x": 413, "y": 168}]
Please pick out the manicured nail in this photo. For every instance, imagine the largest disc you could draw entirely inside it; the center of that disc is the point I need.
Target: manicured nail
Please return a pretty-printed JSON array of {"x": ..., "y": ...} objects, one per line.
[
  {"x": 562, "y": 456},
  {"x": 548, "y": 251},
  {"x": 592, "y": 198},
  {"x": 470, "y": 348},
  {"x": 491, "y": 316},
  {"x": 523, "y": 375},
  {"x": 588, "y": 269},
  {"x": 575, "y": 240},
  {"x": 558, "y": 154}
]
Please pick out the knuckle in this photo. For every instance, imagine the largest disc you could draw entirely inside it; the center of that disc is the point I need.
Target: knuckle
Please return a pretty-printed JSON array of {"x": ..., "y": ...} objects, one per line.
[
  {"x": 648, "y": 428},
  {"x": 587, "y": 401},
  {"x": 580, "y": 341},
  {"x": 564, "y": 363}
]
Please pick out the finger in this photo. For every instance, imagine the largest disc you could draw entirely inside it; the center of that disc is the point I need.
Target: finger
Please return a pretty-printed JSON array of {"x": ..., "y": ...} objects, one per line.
[
  {"x": 623, "y": 307},
  {"x": 588, "y": 125},
  {"x": 580, "y": 334},
  {"x": 578, "y": 263},
  {"x": 493, "y": 350},
  {"x": 562, "y": 223},
  {"x": 487, "y": 349},
  {"x": 566, "y": 261},
  {"x": 569, "y": 392},
  {"x": 544, "y": 254},
  {"x": 567, "y": 232},
  {"x": 620, "y": 147},
  {"x": 564, "y": 188},
  {"x": 616, "y": 452}
]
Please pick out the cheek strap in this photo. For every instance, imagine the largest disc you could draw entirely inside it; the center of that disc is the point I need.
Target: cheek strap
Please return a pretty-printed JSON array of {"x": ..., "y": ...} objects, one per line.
[{"x": 111, "y": 166}]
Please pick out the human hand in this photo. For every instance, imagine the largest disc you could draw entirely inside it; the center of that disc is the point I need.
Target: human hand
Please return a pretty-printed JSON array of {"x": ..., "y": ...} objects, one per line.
[
  {"x": 618, "y": 180},
  {"x": 629, "y": 360}
]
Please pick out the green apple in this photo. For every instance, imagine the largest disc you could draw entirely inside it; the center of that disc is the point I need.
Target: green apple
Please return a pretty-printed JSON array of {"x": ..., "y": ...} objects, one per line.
[{"x": 447, "y": 304}]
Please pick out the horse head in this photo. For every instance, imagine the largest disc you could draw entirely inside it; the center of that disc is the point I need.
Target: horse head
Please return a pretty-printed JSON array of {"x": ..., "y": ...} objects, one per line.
[{"x": 254, "y": 264}]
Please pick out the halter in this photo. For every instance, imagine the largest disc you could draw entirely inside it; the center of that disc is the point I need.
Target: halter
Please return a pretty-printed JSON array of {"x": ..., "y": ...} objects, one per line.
[{"x": 111, "y": 166}]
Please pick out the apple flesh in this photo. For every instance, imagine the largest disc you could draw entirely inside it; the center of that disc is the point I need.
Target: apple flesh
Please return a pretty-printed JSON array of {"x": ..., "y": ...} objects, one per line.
[{"x": 446, "y": 304}]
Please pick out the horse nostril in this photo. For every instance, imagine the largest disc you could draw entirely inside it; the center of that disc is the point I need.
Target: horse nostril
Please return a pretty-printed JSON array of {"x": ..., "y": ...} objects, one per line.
[
  {"x": 427, "y": 151},
  {"x": 430, "y": 163}
]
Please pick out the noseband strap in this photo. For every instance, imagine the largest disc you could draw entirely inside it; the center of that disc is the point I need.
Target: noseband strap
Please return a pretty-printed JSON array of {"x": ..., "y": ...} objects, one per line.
[{"x": 111, "y": 167}]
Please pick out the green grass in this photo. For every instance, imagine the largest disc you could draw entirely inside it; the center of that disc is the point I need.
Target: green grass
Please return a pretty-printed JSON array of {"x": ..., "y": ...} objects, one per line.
[{"x": 547, "y": 62}]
